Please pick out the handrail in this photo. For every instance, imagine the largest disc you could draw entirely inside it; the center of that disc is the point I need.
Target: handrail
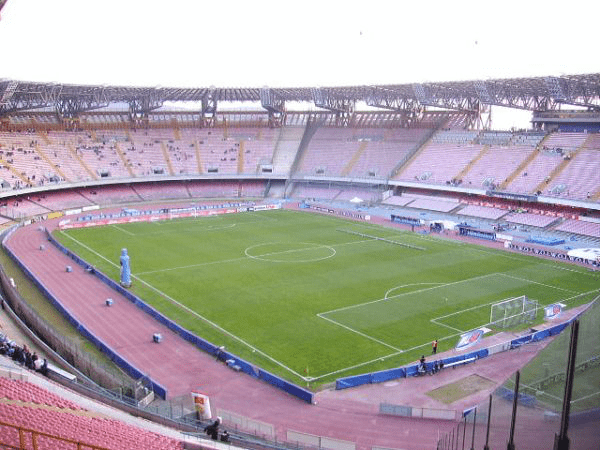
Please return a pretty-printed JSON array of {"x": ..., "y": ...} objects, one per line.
[{"x": 35, "y": 433}]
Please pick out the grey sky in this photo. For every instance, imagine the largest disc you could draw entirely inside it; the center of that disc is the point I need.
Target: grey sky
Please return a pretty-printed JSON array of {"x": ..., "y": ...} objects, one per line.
[{"x": 293, "y": 43}]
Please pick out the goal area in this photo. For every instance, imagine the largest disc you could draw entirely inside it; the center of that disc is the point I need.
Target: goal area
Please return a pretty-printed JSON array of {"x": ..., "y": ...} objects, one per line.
[{"x": 513, "y": 312}]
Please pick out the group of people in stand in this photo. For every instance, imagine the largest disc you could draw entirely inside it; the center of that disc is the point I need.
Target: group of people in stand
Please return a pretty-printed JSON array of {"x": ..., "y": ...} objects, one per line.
[{"x": 22, "y": 355}]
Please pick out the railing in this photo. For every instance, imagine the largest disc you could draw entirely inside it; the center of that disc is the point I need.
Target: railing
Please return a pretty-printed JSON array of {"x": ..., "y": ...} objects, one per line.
[
  {"x": 538, "y": 407},
  {"x": 28, "y": 436}
]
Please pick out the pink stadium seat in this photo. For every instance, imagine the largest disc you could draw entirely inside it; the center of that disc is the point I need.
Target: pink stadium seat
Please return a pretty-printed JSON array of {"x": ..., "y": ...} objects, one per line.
[
  {"x": 483, "y": 212},
  {"x": 110, "y": 195},
  {"x": 534, "y": 220},
  {"x": 534, "y": 173},
  {"x": 580, "y": 227},
  {"x": 439, "y": 163},
  {"x": 60, "y": 421},
  {"x": 496, "y": 165}
]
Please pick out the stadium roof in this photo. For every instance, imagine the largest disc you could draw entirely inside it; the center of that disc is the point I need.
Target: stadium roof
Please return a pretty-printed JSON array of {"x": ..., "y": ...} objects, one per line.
[{"x": 533, "y": 94}]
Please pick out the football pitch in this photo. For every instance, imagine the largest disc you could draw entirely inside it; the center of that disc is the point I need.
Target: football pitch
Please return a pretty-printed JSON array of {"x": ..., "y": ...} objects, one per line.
[{"x": 312, "y": 298}]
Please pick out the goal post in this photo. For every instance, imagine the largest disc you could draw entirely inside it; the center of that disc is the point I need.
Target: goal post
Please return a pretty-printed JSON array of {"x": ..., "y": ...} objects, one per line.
[{"x": 513, "y": 311}]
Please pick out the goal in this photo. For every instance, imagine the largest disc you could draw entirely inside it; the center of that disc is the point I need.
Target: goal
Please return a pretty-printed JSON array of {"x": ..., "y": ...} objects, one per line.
[{"x": 514, "y": 311}]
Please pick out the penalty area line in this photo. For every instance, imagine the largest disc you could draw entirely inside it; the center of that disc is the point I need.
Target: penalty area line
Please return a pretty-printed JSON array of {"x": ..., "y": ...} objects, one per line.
[
  {"x": 360, "y": 333},
  {"x": 418, "y": 291},
  {"x": 536, "y": 282},
  {"x": 447, "y": 326},
  {"x": 123, "y": 230}
]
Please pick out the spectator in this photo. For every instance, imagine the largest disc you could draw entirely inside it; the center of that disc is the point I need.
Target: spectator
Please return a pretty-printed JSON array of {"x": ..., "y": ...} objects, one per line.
[
  {"x": 422, "y": 367},
  {"x": 437, "y": 366},
  {"x": 225, "y": 436},
  {"x": 28, "y": 359},
  {"x": 213, "y": 429},
  {"x": 38, "y": 364}
]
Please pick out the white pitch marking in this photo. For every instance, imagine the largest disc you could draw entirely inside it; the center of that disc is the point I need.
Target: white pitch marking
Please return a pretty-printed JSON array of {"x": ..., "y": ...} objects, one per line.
[
  {"x": 447, "y": 326},
  {"x": 468, "y": 309},
  {"x": 231, "y": 260},
  {"x": 123, "y": 230},
  {"x": 391, "y": 355},
  {"x": 473, "y": 247},
  {"x": 360, "y": 333},
  {"x": 356, "y": 366},
  {"x": 316, "y": 246},
  {"x": 406, "y": 293},
  {"x": 405, "y": 285},
  {"x": 223, "y": 261},
  {"x": 88, "y": 248},
  {"x": 355, "y": 242},
  {"x": 583, "y": 398},
  {"x": 196, "y": 229},
  {"x": 536, "y": 282}
]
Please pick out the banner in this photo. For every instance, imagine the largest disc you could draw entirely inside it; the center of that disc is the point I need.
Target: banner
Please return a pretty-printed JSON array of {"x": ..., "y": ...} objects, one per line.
[
  {"x": 202, "y": 404},
  {"x": 55, "y": 214},
  {"x": 553, "y": 311},
  {"x": 551, "y": 253},
  {"x": 469, "y": 339}
]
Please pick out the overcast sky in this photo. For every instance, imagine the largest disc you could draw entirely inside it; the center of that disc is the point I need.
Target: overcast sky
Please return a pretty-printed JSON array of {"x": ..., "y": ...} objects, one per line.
[{"x": 254, "y": 43}]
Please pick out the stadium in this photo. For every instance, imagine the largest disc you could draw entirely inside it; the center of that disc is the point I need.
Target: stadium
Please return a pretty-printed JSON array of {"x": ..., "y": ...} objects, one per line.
[{"x": 282, "y": 258}]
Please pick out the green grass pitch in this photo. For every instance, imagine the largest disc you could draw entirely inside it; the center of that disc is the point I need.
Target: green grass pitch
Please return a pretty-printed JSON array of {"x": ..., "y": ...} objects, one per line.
[{"x": 297, "y": 294}]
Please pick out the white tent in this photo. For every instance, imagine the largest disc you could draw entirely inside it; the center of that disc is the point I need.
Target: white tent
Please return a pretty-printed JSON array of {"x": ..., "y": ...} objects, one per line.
[{"x": 446, "y": 224}]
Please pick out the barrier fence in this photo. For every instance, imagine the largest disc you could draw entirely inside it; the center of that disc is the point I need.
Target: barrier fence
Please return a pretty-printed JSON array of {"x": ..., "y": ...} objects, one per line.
[
  {"x": 15, "y": 437},
  {"x": 132, "y": 371},
  {"x": 553, "y": 402},
  {"x": 56, "y": 343}
]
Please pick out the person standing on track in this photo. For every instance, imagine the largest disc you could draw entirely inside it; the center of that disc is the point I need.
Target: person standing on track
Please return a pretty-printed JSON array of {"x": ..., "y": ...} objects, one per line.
[{"x": 434, "y": 346}]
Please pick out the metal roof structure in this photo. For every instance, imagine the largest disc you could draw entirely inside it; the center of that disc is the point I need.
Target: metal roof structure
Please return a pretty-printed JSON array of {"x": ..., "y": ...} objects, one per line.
[{"x": 533, "y": 94}]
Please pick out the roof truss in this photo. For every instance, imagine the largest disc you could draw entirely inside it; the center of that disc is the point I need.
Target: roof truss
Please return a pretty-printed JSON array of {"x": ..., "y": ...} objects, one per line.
[{"x": 534, "y": 94}]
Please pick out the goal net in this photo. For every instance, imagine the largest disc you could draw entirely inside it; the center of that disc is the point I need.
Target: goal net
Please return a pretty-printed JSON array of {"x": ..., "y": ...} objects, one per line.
[{"x": 514, "y": 311}]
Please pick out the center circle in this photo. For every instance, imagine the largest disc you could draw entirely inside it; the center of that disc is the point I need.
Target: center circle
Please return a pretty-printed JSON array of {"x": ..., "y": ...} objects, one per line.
[{"x": 290, "y": 252}]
